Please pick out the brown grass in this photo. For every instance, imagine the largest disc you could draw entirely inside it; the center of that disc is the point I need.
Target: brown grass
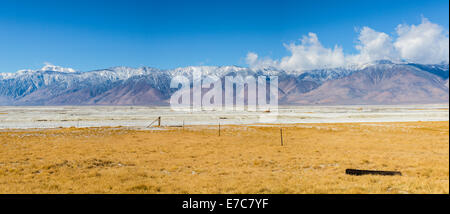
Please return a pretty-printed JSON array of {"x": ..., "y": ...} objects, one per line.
[{"x": 245, "y": 159}]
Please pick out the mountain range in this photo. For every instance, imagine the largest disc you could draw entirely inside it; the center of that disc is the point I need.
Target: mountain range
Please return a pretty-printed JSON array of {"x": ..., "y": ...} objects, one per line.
[{"x": 380, "y": 82}]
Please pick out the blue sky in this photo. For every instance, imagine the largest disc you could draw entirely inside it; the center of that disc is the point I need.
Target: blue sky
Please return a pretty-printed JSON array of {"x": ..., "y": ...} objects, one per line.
[{"x": 87, "y": 35}]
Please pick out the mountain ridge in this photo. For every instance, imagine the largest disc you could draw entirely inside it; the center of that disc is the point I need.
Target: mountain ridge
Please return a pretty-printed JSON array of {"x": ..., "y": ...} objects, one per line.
[{"x": 380, "y": 82}]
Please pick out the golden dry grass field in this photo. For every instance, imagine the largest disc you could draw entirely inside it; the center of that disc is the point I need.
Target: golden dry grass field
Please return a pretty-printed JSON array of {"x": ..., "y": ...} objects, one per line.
[{"x": 244, "y": 159}]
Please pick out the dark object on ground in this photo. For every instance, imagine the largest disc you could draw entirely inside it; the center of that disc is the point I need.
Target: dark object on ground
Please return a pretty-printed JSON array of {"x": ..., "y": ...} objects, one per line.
[{"x": 371, "y": 172}]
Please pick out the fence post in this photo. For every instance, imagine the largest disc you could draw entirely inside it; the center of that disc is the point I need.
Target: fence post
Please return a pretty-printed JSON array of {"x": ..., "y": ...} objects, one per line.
[{"x": 281, "y": 136}]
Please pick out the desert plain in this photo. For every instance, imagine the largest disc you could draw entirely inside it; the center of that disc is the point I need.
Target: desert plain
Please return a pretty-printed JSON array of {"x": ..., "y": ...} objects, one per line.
[{"x": 243, "y": 159}]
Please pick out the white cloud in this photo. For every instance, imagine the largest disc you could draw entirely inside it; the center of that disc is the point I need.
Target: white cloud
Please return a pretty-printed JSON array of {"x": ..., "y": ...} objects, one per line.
[
  {"x": 252, "y": 58},
  {"x": 372, "y": 46},
  {"x": 310, "y": 54},
  {"x": 426, "y": 43},
  {"x": 254, "y": 61}
]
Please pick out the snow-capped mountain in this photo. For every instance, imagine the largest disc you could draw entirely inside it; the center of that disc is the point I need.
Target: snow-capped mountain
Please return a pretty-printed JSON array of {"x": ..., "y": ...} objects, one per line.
[{"x": 380, "y": 82}]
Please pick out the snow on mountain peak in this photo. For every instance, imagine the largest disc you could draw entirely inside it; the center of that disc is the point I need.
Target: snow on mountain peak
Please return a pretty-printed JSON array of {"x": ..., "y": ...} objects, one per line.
[
  {"x": 51, "y": 67},
  {"x": 47, "y": 67}
]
